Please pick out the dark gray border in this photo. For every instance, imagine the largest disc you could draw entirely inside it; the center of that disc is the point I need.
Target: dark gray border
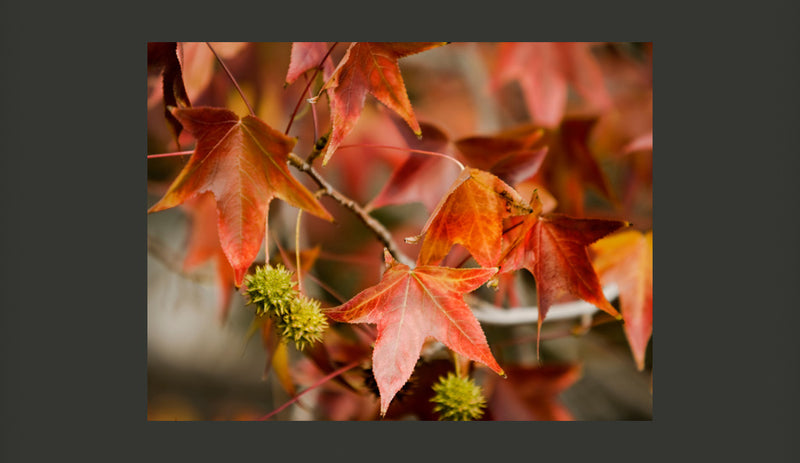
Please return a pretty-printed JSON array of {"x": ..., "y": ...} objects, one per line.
[{"x": 72, "y": 326}]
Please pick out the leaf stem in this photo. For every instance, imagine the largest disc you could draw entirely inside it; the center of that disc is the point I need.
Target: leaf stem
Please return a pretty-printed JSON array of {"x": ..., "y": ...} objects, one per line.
[
  {"x": 429, "y": 153},
  {"x": 322, "y": 381},
  {"x": 166, "y": 155},
  {"x": 377, "y": 228},
  {"x": 297, "y": 251},
  {"x": 233, "y": 79},
  {"x": 308, "y": 85},
  {"x": 310, "y": 275}
]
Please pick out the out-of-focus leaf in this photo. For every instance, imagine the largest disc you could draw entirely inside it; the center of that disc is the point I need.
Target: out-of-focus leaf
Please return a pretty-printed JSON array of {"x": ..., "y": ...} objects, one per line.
[{"x": 626, "y": 258}]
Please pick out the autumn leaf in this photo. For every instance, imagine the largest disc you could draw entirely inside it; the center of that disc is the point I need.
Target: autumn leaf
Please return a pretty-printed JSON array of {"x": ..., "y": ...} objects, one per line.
[
  {"x": 471, "y": 214},
  {"x": 545, "y": 72},
  {"x": 553, "y": 247},
  {"x": 531, "y": 393},
  {"x": 626, "y": 258},
  {"x": 369, "y": 67},
  {"x": 200, "y": 64},
  {"x": 420, "y": 177},
  {"x": 571, "y": 166},
  {"x": 306, "y": 56},
  {"x": 410, "y": 305},
  {"x": 512, "y": 159},
  {"x": 163, "y": 57},
  {"x": 243, "y": 162},
  {"x": 204, "y": 245}
]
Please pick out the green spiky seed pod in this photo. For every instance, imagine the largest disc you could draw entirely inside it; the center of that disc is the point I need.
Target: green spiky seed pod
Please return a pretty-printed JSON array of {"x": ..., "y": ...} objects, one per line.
[
  {"x": 303, "y": 323},
  {"x": 458, "y": 399},
  {"x": 270, "y": 289}
]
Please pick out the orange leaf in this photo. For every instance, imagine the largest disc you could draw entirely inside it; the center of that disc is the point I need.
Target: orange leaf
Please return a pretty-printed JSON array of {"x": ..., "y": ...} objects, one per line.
[
  {"x": 410, "y": 305},
  {"x": 471, "y": 214},
  {"x": 626, "y": 258},
  {"x": 243, "y": 162},
  {"x": 370, "y": 67}
]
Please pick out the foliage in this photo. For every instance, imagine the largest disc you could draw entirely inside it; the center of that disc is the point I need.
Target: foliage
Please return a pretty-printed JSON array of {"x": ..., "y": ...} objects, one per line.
[{"x": 459, "y": 183}]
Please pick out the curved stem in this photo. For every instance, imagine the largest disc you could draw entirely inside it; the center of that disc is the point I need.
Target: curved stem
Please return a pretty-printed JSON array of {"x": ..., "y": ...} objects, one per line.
[
  {"x": 309, "y": 275},
  {"x": 308, "y": 85},
  {"x": 233, "y": 79},
  {"x": 166, "y": 155},
  {"x": 429, "y": 153},
  {"x": 322, "y": 381},
  {"x": 297, "y": 251}
]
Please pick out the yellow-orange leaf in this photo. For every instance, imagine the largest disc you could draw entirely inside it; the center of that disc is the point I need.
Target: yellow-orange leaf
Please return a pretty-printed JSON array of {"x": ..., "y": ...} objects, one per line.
[{"x": 626, "y": 258}]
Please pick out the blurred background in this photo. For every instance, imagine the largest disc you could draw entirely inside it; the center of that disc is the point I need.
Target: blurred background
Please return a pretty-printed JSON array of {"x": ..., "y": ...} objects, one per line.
[{"x": 596, "y": 111}]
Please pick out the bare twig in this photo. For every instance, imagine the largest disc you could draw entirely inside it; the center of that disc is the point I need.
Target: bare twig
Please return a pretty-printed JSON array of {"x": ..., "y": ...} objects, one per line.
[
  {"x": 322, "y": 381},
  {"x": 308, "y": 85},
  {"x": 376, "y": 227},
  {"x": 233, "y": 79}
]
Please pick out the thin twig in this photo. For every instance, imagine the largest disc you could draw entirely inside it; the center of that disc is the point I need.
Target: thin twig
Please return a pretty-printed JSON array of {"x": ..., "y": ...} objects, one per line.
[
  {"x": 170, "y": 260},
  {"x": 377, "y": 228},
  {"x": 399, "y": 148},
  {"x": 297, "y": 251},
  {"x": 310, "y": 275},
  {"x": 167, "y": 155},
  {"x": 322, "y": 381},
  {"x": 233, "y": 79},
  {"x": 308, "y": 85}
]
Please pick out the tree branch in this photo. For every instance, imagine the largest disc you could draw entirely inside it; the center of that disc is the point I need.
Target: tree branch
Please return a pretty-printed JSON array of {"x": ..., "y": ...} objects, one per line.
[{"x": 376, "y": 227}]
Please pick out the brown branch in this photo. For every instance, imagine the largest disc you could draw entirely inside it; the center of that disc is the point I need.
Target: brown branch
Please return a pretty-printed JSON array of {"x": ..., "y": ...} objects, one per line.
[{"x": 376, "y": 227}]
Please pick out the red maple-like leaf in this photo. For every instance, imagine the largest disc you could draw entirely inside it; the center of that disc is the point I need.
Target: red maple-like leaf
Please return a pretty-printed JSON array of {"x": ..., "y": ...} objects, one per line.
[
  {"x": 370, "y": 67},
  {"x": 571, "y": 166},
  {"x": 306, "y": 56},
  {"x": 513, "y": 158},
  {"x": 471, "y": 214},
  {"x": 546, "y": 70},
  {"x": 204, "y": 245},
  {"x": 200, "y": 64},
  {"x": 553, "y": 247},
  {"x": 420, "y": 177},
  {"x": 626, "y": 258},
  {"x": 410, "y": 305},
  {"x": 531, "y": 394},
  {"x": 243, "y": 162}
]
